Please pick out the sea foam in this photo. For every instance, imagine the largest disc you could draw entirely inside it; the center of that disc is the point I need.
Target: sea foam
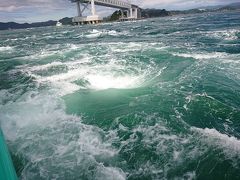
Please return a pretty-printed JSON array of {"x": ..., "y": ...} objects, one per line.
[
  {"x": 6, "y": 48},
  {"x": 229, "y": 144}
]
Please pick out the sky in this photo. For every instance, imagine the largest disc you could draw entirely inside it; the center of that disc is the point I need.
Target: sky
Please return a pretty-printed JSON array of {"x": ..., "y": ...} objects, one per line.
[{"x": 41, "y": 10}]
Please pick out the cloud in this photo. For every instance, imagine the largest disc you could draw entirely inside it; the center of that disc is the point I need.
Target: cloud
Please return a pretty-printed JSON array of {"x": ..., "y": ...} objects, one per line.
[
  {"x": 13, "y": 5},
  {"x": 179, "y": 4},
  {"x": 9, "y": 8}
]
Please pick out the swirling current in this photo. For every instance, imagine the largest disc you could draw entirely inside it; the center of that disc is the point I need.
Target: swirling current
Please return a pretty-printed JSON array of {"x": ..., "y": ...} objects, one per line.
[{"x": 151, "y": 99}]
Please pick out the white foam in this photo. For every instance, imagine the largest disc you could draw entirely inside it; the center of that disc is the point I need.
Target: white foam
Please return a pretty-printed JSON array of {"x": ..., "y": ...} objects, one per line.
[
  {"x": 41, "y": 54},
  {"x": 51, "y": 50},
  {"x": 190, "y": 175},
  {"x": 63, "y": 88},
  {"x": 112, "y": 72},
  {"x": 45, "y": 135},
  {"x": 71, "y": 75},
  {"x": 73, "y": 46},
  {"x": 110, "y": 173},
  {"x": 122, "y": 47},
  {"x": 6, "y": 48},
  {"x": 160, "y": 136},
  {"x": 191, "y": 97},
  {"x": 133, "y": 46},
  {"x": 115, "y": 33},
  {"x": 71, "y": 65},
  {"x": 62, "y": 83},
  {"x": 229, "y": 144},
  {"x": 201, "y": 55},
  {"x": 109, "y": 81},
  {"x": 225, "y": 34},
  {"x": 98, "y": 76},
  {"x": 46, "y": 66},
  {"x": 96, "y": 33}
]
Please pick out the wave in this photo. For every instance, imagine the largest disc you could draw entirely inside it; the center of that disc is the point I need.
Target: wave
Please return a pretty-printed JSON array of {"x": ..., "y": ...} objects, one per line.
[
  {"x": 111, "y": 72},
  {"x": 97, "y": 33},
  {"x": 100, "y": 82},
  {"x": 229, "y": 144},
  {"x": 42, "y": 54},
  {"x": 47, "y": 138},
  {"x": 46, "y": 66},
  {"x": 225, "y": 34},
  {"x": 6, "y": 48},
  {"x": 64, "y": 83},
  {"x": 52, "y": 50},
  {"x": 201, "y": 56}
]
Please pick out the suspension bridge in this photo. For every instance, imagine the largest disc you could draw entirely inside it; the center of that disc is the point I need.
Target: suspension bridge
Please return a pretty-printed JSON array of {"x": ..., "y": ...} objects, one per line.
[{"x": 128, "y": 11}]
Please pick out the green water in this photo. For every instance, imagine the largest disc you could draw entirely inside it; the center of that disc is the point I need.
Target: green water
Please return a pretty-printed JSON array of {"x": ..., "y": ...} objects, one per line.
[{"x": 152, "y": 99}]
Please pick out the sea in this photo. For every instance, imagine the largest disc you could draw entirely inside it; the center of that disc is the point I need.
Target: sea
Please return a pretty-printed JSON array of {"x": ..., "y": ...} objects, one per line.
[{"x": 142, "y": 100}]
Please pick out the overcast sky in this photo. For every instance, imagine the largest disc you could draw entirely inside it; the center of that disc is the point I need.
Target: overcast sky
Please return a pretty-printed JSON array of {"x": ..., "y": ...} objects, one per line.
[{"x": 42, "y": 10}]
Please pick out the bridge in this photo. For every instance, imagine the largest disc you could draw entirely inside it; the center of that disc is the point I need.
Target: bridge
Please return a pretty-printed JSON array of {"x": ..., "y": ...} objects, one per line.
[{"x": 132, "y": 11}]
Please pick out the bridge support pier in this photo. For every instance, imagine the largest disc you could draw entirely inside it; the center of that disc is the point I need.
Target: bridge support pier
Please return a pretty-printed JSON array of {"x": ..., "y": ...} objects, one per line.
[
  {"x": 79, "y": 9},
  {"x": 133, "y": 13},
  {"x": 93, "y": 7},
  {"x": 122, "y": 14}
]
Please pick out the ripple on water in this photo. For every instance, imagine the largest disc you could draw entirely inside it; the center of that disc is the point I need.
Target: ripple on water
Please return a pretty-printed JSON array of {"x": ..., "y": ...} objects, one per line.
[{"x": 150, "y": 99}]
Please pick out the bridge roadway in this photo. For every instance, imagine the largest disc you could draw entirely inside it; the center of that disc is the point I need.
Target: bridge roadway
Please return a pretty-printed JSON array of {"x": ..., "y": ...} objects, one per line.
[
  {"x": 109, "y": 3},
  {"x": 133, "y": 11}
]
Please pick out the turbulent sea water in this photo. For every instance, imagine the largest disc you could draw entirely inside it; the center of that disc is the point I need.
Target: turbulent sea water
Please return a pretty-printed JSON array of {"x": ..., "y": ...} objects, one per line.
[{"x": 151, "y": 99}]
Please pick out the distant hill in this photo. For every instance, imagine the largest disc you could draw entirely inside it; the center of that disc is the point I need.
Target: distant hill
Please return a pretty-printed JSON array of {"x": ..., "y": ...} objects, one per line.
[
  {"x": 236, "y": 5},
  {"x": 114, "y": 17},
  {"x": 233, "y": 6},
  {"x": 146, "y": 13},
  {"x": 14, "y": 25},
  {"x": 149, "y": 13},
  {"x": 230, "y": 7},
  {"x": 66, "y": 21}
]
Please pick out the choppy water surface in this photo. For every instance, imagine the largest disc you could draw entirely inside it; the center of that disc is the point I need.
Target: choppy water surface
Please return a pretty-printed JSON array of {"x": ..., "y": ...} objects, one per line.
[{"x": 152, "y": 99}]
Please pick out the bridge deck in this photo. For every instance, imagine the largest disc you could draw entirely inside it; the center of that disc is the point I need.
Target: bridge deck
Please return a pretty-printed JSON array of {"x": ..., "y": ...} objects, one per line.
[{"x": 108, "y": 3}]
